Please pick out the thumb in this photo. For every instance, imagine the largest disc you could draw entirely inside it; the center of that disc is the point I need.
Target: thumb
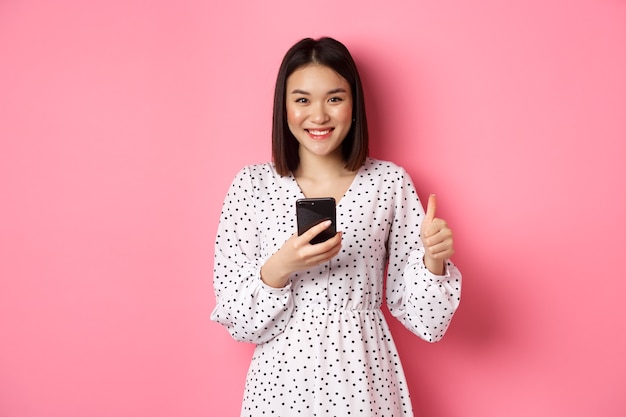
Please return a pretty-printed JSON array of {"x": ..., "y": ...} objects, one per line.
[{"x": 431, "y": 208}]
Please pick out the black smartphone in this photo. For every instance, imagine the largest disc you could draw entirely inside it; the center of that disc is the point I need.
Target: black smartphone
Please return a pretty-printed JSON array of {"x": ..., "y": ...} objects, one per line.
[{"x": 312, "y": 211}]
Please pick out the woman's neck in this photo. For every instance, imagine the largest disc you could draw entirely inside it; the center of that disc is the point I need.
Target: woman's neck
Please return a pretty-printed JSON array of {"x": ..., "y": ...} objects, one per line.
[
  {"x": 321, "y": 168},
  {"x": 323, "y": 177}
]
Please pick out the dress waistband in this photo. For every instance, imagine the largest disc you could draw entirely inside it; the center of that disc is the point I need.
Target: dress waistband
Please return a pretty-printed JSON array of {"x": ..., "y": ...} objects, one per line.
[{"x": 337, "y": 309}]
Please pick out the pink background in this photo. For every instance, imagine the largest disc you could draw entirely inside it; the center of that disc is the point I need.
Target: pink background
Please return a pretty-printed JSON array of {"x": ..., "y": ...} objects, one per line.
[{"x": 122, "y": 124}]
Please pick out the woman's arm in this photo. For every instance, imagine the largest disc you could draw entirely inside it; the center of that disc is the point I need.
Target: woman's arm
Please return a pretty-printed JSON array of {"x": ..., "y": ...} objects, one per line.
[
  {"x": 423, "y": 301},
  {"x": 251, "y": 310}
]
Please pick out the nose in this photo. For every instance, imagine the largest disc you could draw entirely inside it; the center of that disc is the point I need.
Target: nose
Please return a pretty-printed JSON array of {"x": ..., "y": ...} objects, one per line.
[{"x": 319, "y": 115}]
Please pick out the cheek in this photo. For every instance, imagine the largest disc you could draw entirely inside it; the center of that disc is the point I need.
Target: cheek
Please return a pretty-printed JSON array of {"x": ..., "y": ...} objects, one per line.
[
  {"x": 344, "y": 113},
  {"x": 294, "y": 115}
]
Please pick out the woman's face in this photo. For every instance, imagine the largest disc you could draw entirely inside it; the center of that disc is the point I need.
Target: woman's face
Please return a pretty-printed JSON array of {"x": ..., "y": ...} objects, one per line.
[{"x": 319, "y": 109}]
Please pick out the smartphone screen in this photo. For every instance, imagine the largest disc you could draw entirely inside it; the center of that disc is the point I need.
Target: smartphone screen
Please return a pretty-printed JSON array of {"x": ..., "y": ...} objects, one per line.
[{"x": 312, "y": 211}]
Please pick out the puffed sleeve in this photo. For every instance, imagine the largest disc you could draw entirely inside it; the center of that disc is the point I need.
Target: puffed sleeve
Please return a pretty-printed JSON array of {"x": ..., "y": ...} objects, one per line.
[
  {"x": 423, "y": 302},
  {"x": 251, "y": 310}
]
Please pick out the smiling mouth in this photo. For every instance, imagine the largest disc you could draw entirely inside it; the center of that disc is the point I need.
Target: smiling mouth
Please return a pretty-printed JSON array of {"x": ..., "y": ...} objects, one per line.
[{"x": 319, "y": 133}]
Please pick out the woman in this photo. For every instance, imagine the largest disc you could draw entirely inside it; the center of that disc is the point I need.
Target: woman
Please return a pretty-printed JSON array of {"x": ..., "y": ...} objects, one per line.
[{"x": 314, "y": 310}]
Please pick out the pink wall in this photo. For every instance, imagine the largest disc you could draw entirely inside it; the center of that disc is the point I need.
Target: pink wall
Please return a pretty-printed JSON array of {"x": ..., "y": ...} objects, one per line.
[{"x": 122, "y": 124}]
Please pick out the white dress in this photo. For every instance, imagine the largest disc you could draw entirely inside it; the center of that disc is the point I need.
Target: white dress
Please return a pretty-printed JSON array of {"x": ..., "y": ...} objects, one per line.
[{"x": 323, "y": 345}]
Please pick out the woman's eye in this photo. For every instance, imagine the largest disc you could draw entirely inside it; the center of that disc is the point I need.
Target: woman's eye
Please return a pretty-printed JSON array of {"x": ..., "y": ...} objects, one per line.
[
  {"x": 302, "y": 100},
  {"x": 335, "y": 99}
]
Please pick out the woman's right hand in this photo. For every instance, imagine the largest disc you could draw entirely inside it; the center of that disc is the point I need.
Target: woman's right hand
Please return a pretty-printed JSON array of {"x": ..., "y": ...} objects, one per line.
[{"x": 298, "y": 254}]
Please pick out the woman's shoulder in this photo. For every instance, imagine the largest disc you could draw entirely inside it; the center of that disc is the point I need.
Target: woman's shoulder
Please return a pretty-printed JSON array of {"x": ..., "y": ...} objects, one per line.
[
  {"x": 375, "y": 166},
  {"x": 262, "y": 176},
  {"x": 258, "y": 170}
]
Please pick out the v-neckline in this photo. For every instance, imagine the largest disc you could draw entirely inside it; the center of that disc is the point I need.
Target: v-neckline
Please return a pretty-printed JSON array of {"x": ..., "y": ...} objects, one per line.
[{"x": 353, "y": 183}]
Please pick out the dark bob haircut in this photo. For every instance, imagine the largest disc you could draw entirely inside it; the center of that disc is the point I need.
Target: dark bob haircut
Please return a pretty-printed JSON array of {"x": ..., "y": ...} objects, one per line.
[{"x": 332, "y": 54}]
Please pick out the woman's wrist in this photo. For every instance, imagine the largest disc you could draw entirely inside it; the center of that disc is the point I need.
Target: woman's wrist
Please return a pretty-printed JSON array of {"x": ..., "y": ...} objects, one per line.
[
  {"x": 272, "y": 277},
  {"x": 436, "y": 267}
]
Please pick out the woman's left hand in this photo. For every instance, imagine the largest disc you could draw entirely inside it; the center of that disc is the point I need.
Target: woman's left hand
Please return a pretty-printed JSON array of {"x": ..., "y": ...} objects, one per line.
[{"x": 437, "y": 239}]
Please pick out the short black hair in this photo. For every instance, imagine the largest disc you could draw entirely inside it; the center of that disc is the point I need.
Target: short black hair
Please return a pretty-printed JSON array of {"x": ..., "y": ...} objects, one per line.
[{"x": 332, "y": 54}]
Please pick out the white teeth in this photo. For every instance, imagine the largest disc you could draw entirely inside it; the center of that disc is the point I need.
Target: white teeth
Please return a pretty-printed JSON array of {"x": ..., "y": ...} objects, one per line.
[{"x": 319, "y": 132}]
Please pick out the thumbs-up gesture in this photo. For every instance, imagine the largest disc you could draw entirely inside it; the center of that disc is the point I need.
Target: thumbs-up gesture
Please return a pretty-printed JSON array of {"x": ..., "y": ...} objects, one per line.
[{"x": 437, "y": 239}]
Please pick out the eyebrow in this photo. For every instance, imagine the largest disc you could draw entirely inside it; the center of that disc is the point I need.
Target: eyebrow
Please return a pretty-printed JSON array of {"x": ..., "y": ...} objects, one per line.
[{"x": 334, "y": 91}]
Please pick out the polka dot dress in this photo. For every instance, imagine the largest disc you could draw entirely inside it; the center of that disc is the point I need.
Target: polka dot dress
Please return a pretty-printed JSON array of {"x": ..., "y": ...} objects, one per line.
[{"x": 323, "y": 345}]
